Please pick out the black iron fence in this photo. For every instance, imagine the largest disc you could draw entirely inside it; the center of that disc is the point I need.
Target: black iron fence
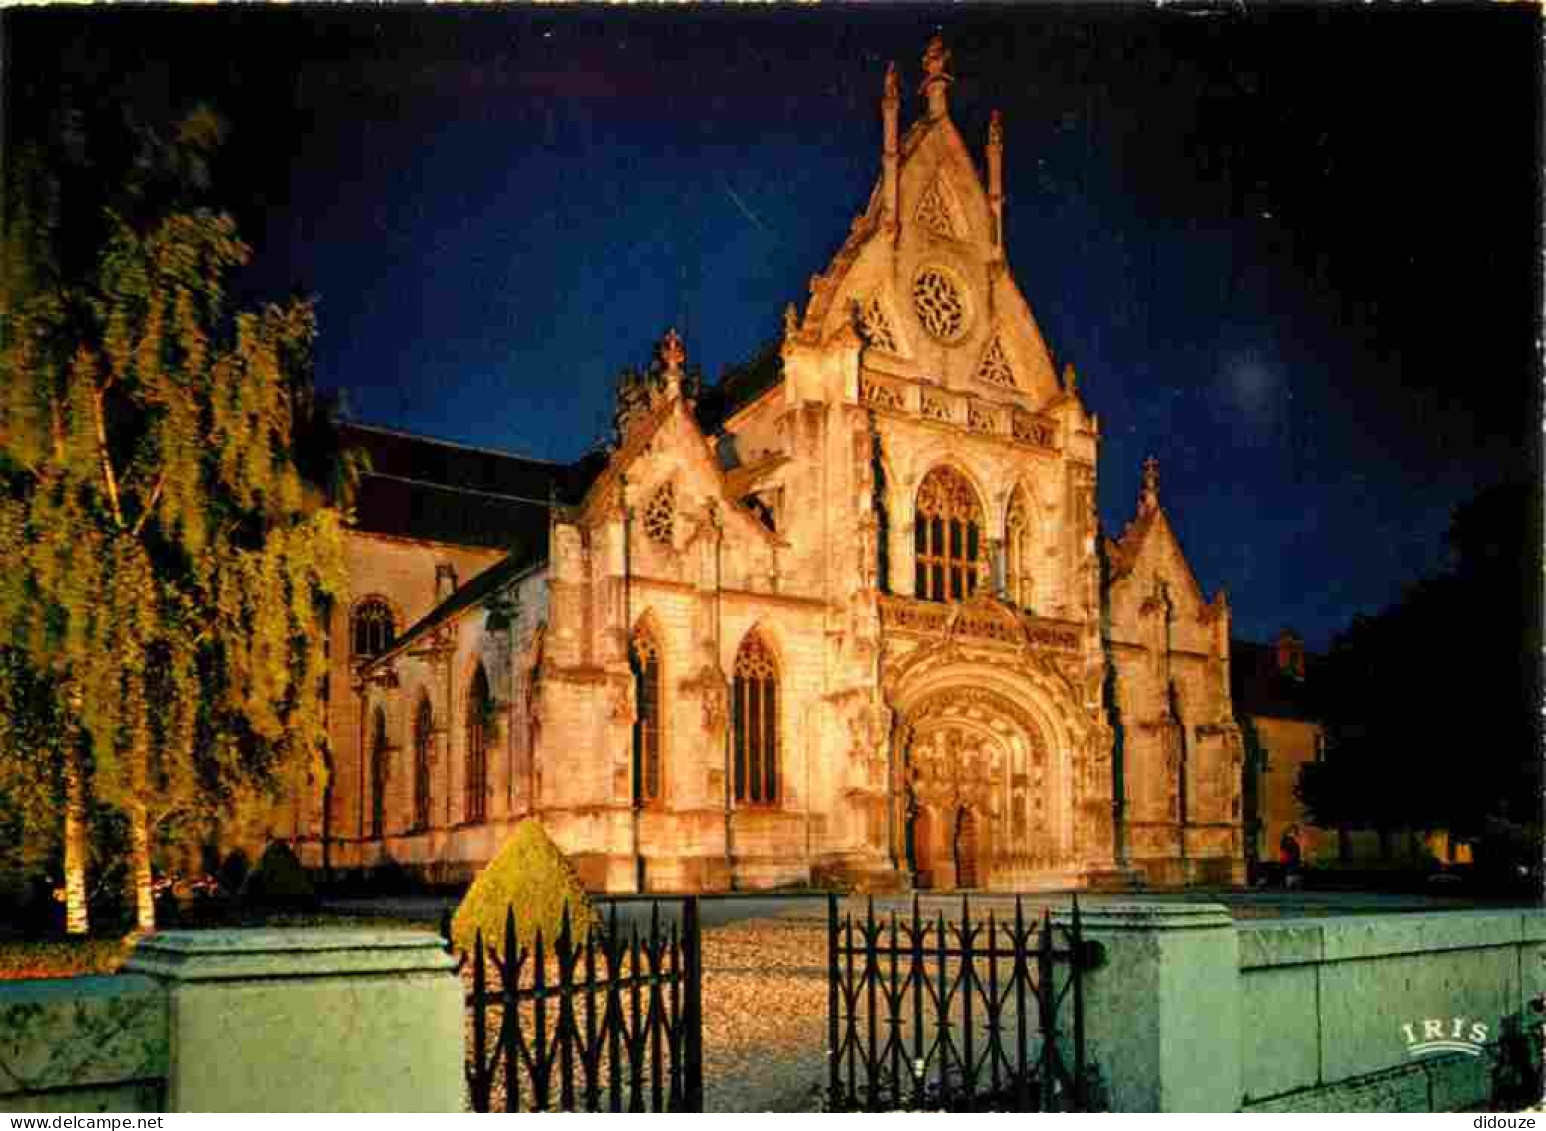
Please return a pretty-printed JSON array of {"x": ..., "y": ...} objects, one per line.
[
  {"x": 935, "y": 1014},
  {"x": 611, "y": 1021}
]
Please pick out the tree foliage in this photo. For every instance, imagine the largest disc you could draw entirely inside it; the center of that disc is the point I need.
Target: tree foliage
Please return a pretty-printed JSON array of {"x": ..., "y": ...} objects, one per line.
[
  {"x": 167, "y": 566},
  {"x": 1432, "y": 706}
]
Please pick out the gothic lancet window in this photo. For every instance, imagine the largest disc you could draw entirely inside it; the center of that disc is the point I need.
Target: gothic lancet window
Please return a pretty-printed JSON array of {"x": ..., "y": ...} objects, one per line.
[
  {"x": 947, "y": 537},
  {"x": 478, "y": 706},
  {"x": 646, "y": 724},
  {"x": 755, "y": 724},
  {"x": 373, "y": 627},
  {"x": 423, "y": 731},
  {"x": 378, "y": 760},
  {"x": 1018, "y": 582},
  {"x": 660, "y": 515}
]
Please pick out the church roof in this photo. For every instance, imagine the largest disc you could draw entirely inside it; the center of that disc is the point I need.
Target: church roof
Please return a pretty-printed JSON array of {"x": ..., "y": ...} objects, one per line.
[
  {"x": 1260, "y": 686},
  {"x": 473, "y": 593},
  {"x": 434, "y": 490}
]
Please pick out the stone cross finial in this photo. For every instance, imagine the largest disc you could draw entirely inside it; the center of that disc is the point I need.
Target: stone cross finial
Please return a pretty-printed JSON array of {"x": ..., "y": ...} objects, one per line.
[
  {"x": 891, "y": 86},
  {"x": 937, "y": 81},
  {"x": 936, "y": 57},
  {"x": 672, "y": 352},
  {"x": 1148, "y": 498},
  {"x": 995, "y": 129},
  {"x": 1070, "y": 378}
]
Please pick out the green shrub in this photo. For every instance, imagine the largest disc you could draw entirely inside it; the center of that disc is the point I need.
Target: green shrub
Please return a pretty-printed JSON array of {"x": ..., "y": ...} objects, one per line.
[
  {"x": 233, "y": 871},
  {"x": 388, "y": 877},
  {"x": 279, "y": 880},
  {"x": 529, "y": 875}
]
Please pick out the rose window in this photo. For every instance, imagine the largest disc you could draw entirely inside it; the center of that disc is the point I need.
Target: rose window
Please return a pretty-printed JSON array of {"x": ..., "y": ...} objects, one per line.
[{"x": 940, "y": 305}]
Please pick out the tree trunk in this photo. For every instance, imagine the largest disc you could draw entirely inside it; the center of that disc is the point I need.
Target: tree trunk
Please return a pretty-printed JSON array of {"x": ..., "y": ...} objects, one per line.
[
  {"x": 76, "y": 921},
  {"x": 139, "y": 868}
]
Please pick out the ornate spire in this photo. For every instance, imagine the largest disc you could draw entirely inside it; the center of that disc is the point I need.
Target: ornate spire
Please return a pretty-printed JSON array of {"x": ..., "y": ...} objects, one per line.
[
  {"x": 996, "y": 181},
  {"x": 890, "y": 104},
  {"x": 1070, "y": 378},
  {"x": 672, "y": 355},
  {"x": 937, "y": 80},
  {"x": 1148, "y": 495}
]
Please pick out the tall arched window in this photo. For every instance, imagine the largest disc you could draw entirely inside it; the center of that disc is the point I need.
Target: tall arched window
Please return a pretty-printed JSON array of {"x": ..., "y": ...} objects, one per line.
[
  {"x": 1018, "y": 583},
  {"x": 423, "y": 730},
  {"x": 947, "y": 537},
  {"x": 373, "y": 627},
  {"x": 645, "y": 657},
  {"x": 756, "y": 724},
  {"x": 378, "y": 761},
  {"x": 479, "y": 704}
]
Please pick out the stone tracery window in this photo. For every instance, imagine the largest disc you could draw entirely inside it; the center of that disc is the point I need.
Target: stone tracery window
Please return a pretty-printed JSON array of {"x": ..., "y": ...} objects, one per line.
[
  {"x": 875, "y": 327},
  {"x": 660, "y": 514},
  {"x": 755, "y": 722},
  {"x": 373, "y": 627},
  {"x": 934, "y": 214},
  {"x": 947, "y": 537},
  {"x": 423, "y": 732},
  {"x": 1018, "y": 582},
  {"x": 940, "y": 304},
  {"x": 994, "y": 367},
  {"x": 479, "y": 704},
  {"x": 645, "y": 656}
]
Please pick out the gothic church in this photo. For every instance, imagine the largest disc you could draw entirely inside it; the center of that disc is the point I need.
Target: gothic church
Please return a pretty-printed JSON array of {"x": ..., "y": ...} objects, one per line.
[{"x": 857, "y": 624}]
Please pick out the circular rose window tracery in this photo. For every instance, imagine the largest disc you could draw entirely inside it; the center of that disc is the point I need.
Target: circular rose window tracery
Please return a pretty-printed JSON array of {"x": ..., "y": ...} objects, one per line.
[{"x": 940, "y": 305}]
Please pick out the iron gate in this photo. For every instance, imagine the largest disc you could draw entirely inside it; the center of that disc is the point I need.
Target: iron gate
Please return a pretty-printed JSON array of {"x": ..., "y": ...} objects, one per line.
[
  {"x": 609, "y": 1022},
  {"x": 941, "y": 1015}
]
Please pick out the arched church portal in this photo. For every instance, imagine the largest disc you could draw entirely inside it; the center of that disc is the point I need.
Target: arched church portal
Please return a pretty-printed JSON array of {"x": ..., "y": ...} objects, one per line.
[{"x": 979, "y": 793}]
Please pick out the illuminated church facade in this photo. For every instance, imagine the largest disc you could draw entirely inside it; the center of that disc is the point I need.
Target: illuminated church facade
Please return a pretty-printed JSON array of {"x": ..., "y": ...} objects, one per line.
[{"x": 856, "y": 624}]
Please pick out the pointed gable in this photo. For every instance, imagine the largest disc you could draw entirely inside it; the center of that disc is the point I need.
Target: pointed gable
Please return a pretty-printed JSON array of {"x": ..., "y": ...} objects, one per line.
[{"x": 931, "y": 230}]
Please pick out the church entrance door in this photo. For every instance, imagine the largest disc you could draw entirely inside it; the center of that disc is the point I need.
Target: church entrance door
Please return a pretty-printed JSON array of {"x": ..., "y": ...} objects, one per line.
[
  {"x": 966, "y": 849},
  {"x": 923, "y": 849}
]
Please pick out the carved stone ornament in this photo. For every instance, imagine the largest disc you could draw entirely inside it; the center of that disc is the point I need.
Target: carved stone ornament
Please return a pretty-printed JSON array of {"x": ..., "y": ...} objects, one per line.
[
  {"x": 621, "y": 702},
  {"x": 713, "y": 692}
]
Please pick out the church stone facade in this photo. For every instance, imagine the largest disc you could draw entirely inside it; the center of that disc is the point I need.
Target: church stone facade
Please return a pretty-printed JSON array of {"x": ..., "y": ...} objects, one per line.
[{"x": 859, "y": 624}]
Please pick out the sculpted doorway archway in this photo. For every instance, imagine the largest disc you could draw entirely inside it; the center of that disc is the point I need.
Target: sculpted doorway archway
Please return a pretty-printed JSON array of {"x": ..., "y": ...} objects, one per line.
[{"x": 984, "y": 796}]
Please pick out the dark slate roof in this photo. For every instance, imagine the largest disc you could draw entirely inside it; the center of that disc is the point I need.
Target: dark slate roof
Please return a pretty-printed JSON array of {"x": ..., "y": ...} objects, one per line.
[
  {"x": 738, "y": 386},
  {"x": 486, "y": 583},
  {"x": 1259, "y": 687},
  {"x": 423, "y": 488}
]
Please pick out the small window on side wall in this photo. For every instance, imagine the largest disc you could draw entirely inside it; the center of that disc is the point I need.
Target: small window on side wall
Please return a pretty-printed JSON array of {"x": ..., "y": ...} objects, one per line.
[{"x": 374, "y": 629}]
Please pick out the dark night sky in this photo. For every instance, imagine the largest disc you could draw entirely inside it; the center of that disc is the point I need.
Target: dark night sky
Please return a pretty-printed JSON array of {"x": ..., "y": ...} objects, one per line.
[{"x": 1293, "y": 253}]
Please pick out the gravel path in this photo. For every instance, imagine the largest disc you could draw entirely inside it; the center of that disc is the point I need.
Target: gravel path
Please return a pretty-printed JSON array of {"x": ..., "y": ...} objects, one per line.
[{"x": 764, "y": 1015}]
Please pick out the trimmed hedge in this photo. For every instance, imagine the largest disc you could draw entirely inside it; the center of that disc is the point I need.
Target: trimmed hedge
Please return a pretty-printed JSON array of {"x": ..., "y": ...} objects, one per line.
[{"x": 532, "y": 877}]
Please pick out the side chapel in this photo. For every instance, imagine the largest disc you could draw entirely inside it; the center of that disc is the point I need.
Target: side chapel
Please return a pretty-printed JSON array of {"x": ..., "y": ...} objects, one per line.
[{"x": 859, "y": 624}]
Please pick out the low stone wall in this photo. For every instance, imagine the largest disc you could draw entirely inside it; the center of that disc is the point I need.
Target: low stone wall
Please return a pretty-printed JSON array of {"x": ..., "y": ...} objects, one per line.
[
  {"x": 1331, "y": 1007},
  {"x": 295, "y": 1020},
  {"x": 1193, "y": 1012},
  {"x": 83, "y": 1044}
]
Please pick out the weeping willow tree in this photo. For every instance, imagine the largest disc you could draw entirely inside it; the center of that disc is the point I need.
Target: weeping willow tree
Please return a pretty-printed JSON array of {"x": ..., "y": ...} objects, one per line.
[{"x": 167, "y": 565}]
